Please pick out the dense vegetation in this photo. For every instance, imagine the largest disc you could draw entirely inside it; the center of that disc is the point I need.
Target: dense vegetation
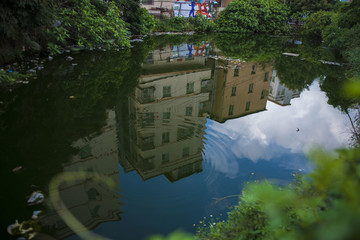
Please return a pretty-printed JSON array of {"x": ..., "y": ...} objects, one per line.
[
  {"x": 259, "y": 16},
  {"x": 50, "y": 25}
]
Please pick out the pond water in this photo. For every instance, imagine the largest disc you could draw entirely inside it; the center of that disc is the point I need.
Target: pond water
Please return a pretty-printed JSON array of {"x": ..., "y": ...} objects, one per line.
[{"x": 179, "y": 124}]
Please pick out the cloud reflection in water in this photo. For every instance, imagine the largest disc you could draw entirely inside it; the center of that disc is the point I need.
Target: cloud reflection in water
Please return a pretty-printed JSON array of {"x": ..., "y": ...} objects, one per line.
[{"x": 271, "y": 135}]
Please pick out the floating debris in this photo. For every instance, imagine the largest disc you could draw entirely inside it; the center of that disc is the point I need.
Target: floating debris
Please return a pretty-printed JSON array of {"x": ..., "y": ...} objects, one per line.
[
  {"x": 36, "y": 198},
  {"x": 17, "y": 169},
  {"x": 291, "y": 54},
  {"x": 36, "y": 214},
  {"x": 69, "y": 58},
  {"x": 72, "y": 97},
  {"x": 74, "y": 64},
  {"x": 50, "y": 58}
]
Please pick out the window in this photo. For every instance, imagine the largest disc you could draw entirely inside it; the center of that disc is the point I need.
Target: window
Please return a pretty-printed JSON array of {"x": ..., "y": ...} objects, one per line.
[
  {"x": 147, "y": 143},
  {"x": 251, "y": 86},
  {"x": 167, "y": 91},
  {"x": 190, "y": 88},
  {"x": 247, "y": 108},
  {"x": 165, "y": 158},
  {"x": 231, "y": 109},
  {"x": 166, "y": 137},
  {"x": 263, "y": 94},
  {"x": 186, "y": 152},
  {"x": 253, "y": 70},
  {"x": 147, "y": 2},
  {"x": 147, "y": 95},
  {"x": 166, "y": 115},
  {"x": 236, "y": 71},
  {"x": 188, "y": 111},
  {"x": 266, "y": 76},
  {"x": 271, "y": 90},
  {"x": 283, "y": 91},
  {"x": 233, "y": 91}
]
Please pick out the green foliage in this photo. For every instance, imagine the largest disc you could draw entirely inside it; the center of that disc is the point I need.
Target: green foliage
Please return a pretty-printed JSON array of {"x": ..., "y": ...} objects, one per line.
[
  {"x": 12, "y": 77},
  {"x": 260, "y": 48},
  {"x": 245, "y": 16},
  {"x": 317, "y": 22},
  {"x": 180, "y": 24},
  {"x": 86, "y": 24},
  {"x": 21, "y": 27},
  {"x": 202, "y": 24},
  {"x": 324, "y": 205},
  {"x": 310, "y": 6}
]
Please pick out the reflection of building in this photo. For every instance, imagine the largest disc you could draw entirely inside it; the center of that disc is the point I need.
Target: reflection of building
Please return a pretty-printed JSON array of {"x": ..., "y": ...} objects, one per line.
[
  {"x": 280, "y": 94},
  {"x": 241, "y": 88},
  {"x": 161, "y": 129},
  {"x": 91, "y": 202}
]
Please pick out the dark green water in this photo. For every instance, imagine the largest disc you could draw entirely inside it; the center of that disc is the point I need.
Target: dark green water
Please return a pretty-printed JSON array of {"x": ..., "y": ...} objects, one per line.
[{"x": 176, "y": 122}]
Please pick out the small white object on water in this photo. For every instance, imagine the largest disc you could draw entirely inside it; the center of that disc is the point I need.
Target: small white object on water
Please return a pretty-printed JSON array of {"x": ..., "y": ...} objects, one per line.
[
  {"x": 69, "y": 58},
  {"x": 36, "y": 198},
  {"x": 36, "y": 214},
  {"x": 291, "y": 54}
]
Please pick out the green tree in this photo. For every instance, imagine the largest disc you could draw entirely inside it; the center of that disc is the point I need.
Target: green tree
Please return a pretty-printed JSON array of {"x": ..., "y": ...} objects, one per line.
[
  {"x": 310, "y": 6},
  {"x": 245, "y": 16},
  {"x": 22, "y": 27}
]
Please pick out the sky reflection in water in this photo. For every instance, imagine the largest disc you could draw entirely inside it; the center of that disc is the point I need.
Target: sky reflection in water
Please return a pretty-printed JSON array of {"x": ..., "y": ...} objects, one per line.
[{"x": 271, "y": 135}]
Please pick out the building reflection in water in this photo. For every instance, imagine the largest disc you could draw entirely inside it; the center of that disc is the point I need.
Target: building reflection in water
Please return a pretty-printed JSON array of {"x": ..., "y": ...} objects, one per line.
[
  {"x": 161, "y": 128},
  {"x": 90, "y": 201},
  {"x": 279, "y": 93}
]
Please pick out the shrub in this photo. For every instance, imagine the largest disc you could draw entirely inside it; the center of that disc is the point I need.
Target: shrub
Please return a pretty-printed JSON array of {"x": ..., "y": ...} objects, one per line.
[
  {"x": 85, "y": 24},
  {"x": 244, "y": 16}
]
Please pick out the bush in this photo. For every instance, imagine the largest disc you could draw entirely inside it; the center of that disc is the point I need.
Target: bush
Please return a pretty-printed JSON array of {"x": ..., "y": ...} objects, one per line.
[
  {"x": 315, "y": 24},
  {"x": 324, "y": 205},
  {"x": 245, "y": 16},
  {"x": 85, "y": 24},
  {"x": 180, "y": 24}
]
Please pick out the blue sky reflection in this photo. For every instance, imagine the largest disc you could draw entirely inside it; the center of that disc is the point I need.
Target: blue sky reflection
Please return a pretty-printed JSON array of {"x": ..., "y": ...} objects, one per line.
[{"x": 271, "y": 135}]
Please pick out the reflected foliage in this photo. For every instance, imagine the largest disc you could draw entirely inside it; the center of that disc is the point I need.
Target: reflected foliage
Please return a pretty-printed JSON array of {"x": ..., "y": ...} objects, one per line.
[
  {"x": 259, "y": 48},
  {"x": 67, "y": 102}
]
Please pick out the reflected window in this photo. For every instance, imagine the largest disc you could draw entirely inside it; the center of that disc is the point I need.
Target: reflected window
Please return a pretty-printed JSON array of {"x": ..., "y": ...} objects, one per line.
[
  {"x": 266, "y": 76},
  {"x": 253, "y": 69},
  {"x": 251, "y": 86},
  {"x": 263, "y": 92},
  {"x": 189, "y": 88},
  {"x": 247, "y": 108},
  {"x": 148, "y": 163},
  {"x": 185, "y": 132},
  {"x": 271, "y": 90},
  {"x": 283, "y": 92},
  {"x": 233, "y": 91},
  {"x": 167, "y": 91},
  {"x": 147, "y": 2},
  {"x": 147, "y": 118},
  {"x": 147, "y": 95},
  {"x": 166, "y": 115},
  {"x": 147, "y": 143},
  {"x": 236, "y": 71},
  {"x": 166, "y": 137},
  {"x": 205, "y": 85},
  {"x": 186, "y": 152},
  {"x": 188, "y": 111},
  {"x": 165, "y": 158},
  {"x": 231, "y": 109}
]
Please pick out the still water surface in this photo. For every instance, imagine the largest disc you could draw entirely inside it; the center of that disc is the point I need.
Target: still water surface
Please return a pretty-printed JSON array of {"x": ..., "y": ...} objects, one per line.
[{"x": 177, "y": 124}]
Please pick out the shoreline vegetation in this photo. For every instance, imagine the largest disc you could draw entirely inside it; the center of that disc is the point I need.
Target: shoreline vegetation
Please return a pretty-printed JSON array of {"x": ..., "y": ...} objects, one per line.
[{"x": 324, "y": 204}]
